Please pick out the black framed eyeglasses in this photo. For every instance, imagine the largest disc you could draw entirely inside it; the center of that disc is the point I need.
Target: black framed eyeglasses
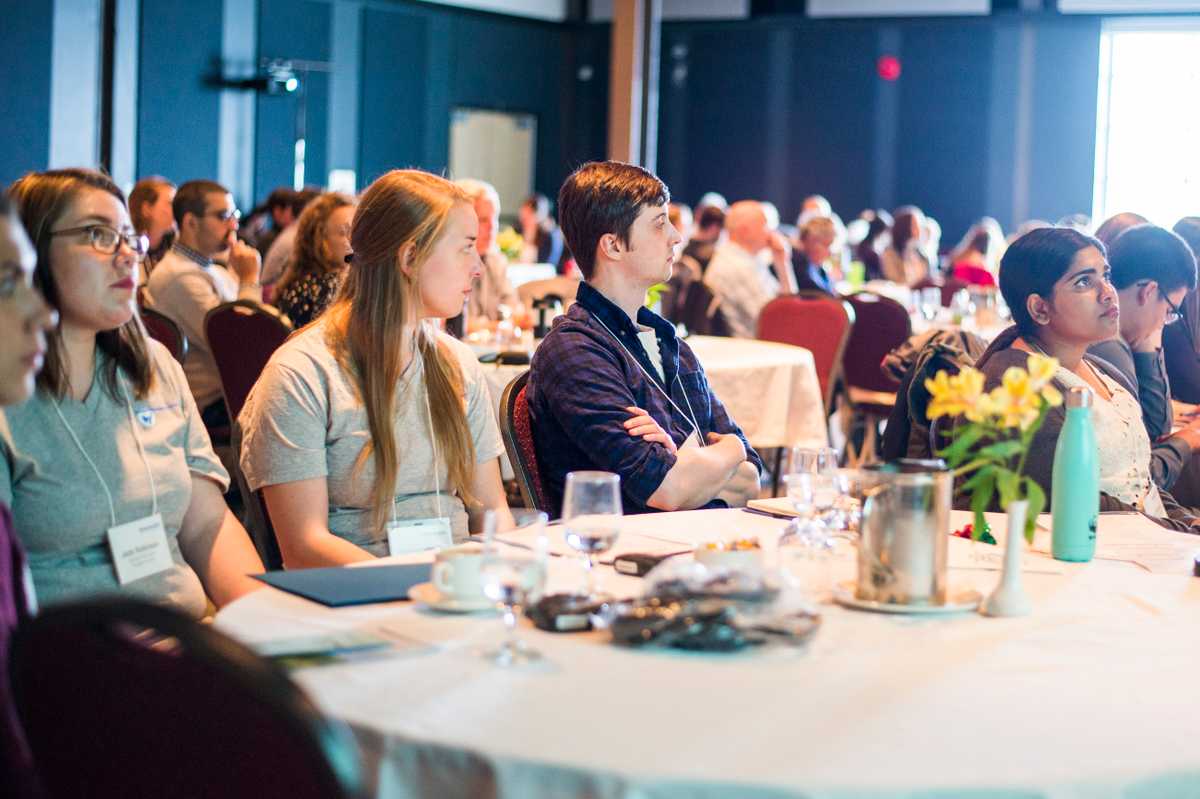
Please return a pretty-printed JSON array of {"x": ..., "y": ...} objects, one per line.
[
  {"x": 225, "y": 215},
  {"x": 1175, "y": 314},
  {"x": 107, "y": 240}
]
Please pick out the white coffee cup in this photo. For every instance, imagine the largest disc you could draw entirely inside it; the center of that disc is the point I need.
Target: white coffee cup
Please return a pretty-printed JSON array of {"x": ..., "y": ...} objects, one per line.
[{"x": 456, "y": 572}]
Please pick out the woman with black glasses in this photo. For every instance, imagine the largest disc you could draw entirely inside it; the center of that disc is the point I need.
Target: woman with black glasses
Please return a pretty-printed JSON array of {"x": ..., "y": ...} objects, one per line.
[{"x": 108, "y": 469}]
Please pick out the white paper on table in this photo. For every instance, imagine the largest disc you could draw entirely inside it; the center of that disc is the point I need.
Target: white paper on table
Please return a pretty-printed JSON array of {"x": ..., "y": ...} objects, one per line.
[
  {"x": 779, "y": 505},
  {"x": 1133, "y": 538},
  {"x": 967, "y": 554}
]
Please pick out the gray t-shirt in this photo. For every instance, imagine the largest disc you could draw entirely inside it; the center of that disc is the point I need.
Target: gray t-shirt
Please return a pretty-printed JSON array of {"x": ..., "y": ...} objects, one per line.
[
  {"x": 304, "y": 420},
  {"x": 59, "y": 507}
]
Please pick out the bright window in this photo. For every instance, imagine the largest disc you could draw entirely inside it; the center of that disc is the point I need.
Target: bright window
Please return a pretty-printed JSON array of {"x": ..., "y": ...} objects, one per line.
[{"x": 1148, "y": 120}]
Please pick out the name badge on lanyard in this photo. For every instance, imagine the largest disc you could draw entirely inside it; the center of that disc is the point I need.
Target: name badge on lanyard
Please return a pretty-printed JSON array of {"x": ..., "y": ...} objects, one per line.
[
  {"x": 418, "y": 535},
  {"x": 139, "y": 548}
]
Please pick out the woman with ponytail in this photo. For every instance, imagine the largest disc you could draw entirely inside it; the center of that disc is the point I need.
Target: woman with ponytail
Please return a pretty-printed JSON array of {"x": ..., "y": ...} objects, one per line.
[{"x": 369, "y": 432}]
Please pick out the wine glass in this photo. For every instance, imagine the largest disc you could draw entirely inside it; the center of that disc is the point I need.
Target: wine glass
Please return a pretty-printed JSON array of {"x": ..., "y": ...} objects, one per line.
[
  {"x": 592, "y": 517},
  {"x": 812, "y": 460},
  {"x": 931, "y": 301},
  {"x": 514, "y": 576},
  {"x": 806, "y": 547}
]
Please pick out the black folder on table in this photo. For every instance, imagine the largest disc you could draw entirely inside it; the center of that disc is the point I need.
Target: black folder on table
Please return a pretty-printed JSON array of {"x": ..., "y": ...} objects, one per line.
[{"x": 341, "y": 586}]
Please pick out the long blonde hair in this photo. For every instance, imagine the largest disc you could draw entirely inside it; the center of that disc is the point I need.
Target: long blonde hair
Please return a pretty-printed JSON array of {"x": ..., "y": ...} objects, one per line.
[{"x": 403, "y": 209}]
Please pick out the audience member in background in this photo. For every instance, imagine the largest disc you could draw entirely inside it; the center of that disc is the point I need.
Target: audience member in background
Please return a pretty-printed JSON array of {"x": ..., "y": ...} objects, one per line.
[
  {"x": 814, "y": 205},
  {"x": 279, "y": 254},
  {"x": 876, "y": 240},
  {"x": 818, "y": 236},
  {"x": 112, "y": 420},
  {"x": 1025, "y": 227},
  {"x": 712, "y": 199},
  {"x": 1152, "y": 270},
  {"x": 682, "y": 220},
  {"x": 322, "y": 244},
  {"x": 150, "y": 208},
  {"x": 612, "y": 387},
  {"x": 492, "y": 289},
  {"x": 1080, "y": 222},
  {"x": 737, "y": 274},
  {"x": 904, "y": 260},
  {"x": 187, "y": 283},
  {"x": 1116, "y": 225},
  {"x": 543, "y": 239},
  {"x": 710, "y": 227},
  {"x": 931, "y": 245},
  {"x": 370, "y": 425},
  {"x": 1181, "y": 342},
  {"x": 24, "y": 321},
  {"x": 279, "y": 210},
  {"x": 1056, "y": 284},
  {"x": 976, "y": 260}
]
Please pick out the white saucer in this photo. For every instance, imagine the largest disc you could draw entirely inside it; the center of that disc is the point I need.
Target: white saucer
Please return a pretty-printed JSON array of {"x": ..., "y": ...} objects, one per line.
[
  {"x": 428, "y": 595},
  {"x": 957, "y": 602}
]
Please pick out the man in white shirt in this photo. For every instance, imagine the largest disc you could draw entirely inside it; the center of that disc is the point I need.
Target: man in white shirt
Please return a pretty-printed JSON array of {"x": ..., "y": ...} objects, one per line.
[
  {"x": 186, "y": 284},
  {"x": 739, "y": 274},
  {"x": 492, "y": 288}
]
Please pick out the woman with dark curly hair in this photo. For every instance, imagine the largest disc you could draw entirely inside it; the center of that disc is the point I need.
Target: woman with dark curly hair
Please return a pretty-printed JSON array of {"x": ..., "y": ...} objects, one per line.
[{"x": 318, "y": 260}]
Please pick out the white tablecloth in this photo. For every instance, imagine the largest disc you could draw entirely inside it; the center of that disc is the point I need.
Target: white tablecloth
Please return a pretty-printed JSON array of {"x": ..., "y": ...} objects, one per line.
[
  {"x": 1093, "y": 695},
  {"x": 771, "y": 390}
]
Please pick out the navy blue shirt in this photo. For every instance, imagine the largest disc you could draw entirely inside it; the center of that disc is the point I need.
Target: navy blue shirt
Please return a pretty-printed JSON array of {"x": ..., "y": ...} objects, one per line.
[{"x": 582, "y": 380}]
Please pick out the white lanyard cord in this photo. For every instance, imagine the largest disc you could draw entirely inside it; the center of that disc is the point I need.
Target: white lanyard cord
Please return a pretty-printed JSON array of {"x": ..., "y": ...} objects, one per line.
[
  {"x": 690, "y": 415},
  {"x": 112, "y": 509},
  {"x": 437, "y": 488}
]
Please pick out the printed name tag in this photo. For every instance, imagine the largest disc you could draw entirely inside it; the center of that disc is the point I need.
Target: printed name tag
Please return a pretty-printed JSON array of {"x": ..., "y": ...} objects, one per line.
[
  {"x": 139, "y": 548},
  {"x": 418, "y": 535}
]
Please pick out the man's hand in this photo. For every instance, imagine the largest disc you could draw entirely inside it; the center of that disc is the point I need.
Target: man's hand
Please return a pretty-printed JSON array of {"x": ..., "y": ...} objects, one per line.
[
  {"x": 643, "y": 424},
  {"x": 742, "y": 487},
  {"x": 245, "y": 262}
]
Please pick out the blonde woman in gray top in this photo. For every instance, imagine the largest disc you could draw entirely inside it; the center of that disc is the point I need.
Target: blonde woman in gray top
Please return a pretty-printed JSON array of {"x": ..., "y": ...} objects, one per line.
[
  {"x": 108, "y": 469},
  {"x": 369, "y": 432}
]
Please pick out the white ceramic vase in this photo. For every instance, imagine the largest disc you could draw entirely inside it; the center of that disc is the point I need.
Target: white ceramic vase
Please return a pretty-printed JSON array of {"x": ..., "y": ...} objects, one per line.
[{"x": 1009, "y": 598}]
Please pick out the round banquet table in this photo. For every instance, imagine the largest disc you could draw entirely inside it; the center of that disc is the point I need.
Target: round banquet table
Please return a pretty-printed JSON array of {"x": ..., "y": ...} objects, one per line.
[
  {"x": 771, "y": 390},
  {"x": 1093, "y": 695}
]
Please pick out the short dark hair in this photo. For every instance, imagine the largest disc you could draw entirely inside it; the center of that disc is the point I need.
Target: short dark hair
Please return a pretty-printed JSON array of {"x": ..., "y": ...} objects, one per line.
[
  {"x": 711, "y": 216},
  {"x": 302, "y": 198},
  {"x": 282, "y": 197},
  {"x": 603, "y": 197},
  {"x": 1148, "y": 252},
  {"x": 192, "y": 196},
  {"x": 1034, "y": 263},
  {"x": 1189, "y": 229}
]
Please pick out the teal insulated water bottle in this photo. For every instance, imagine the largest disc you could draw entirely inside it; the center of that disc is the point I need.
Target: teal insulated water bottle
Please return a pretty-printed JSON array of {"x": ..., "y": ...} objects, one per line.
[{"x": 1075, "y": 486}]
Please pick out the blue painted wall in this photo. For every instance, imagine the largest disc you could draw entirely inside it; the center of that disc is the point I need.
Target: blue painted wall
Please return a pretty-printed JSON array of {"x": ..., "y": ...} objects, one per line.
[
  {"x": 25, "y": 88},
  {"x": 178, "y": 114}
]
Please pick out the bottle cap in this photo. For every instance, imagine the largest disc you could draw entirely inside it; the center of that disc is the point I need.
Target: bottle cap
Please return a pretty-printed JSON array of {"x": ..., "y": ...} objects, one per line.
[{"x": 1079, "y": 397}]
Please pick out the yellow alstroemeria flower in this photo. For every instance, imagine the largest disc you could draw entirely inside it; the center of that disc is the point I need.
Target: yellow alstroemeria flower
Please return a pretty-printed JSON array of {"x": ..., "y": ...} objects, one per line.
[
  {"x": 1041, "y": 369},
  {"x": 1016, "y": 401},
  {"x": 969, "y": 385},
  {"x": 943, "y": 397},
  {"x": 1051, "y": 395}
]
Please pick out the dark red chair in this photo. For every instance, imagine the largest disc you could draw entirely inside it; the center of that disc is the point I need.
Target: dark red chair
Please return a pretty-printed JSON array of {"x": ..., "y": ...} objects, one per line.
[
  {"x": 242, "y": 336},
  {"x": 880, "y": 325},
  {"x": 164, "y": 330},
  {"x": 950, "y": 287},
  {"x": 819, "y": 323},
  {"x": 517, "y": 432},
  {"x": 701, "y": 311},
  {"x": 121, "y": 697}
]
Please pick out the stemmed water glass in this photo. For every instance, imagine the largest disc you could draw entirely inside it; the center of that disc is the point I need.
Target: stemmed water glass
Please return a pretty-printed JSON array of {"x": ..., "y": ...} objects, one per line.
[
  {"x": 930, "y": 301},
  {"x": 514, "y": 575},
  {"x": 592, "y": 518}
]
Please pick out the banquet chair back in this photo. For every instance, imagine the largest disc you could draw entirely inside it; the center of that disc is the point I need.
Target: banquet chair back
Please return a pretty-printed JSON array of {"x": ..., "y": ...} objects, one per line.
[
  {"x": 880, "y": 325},
  {"x": 950, "y": 287},
  {"x": 121, "y": 697},
  {"x": 701, "y": 313},
  {"x": 517, "y": 432},
  {"x": 818, "y": 322},
  {"x": 242, "y": 336},
  {"x": 164, "y": 330}
]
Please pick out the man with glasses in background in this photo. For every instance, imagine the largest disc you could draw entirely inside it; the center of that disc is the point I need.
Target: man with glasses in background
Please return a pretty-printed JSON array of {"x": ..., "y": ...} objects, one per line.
[
  {"x": 1152, "y": 269},
  {"x": 187, "y": 283}
]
